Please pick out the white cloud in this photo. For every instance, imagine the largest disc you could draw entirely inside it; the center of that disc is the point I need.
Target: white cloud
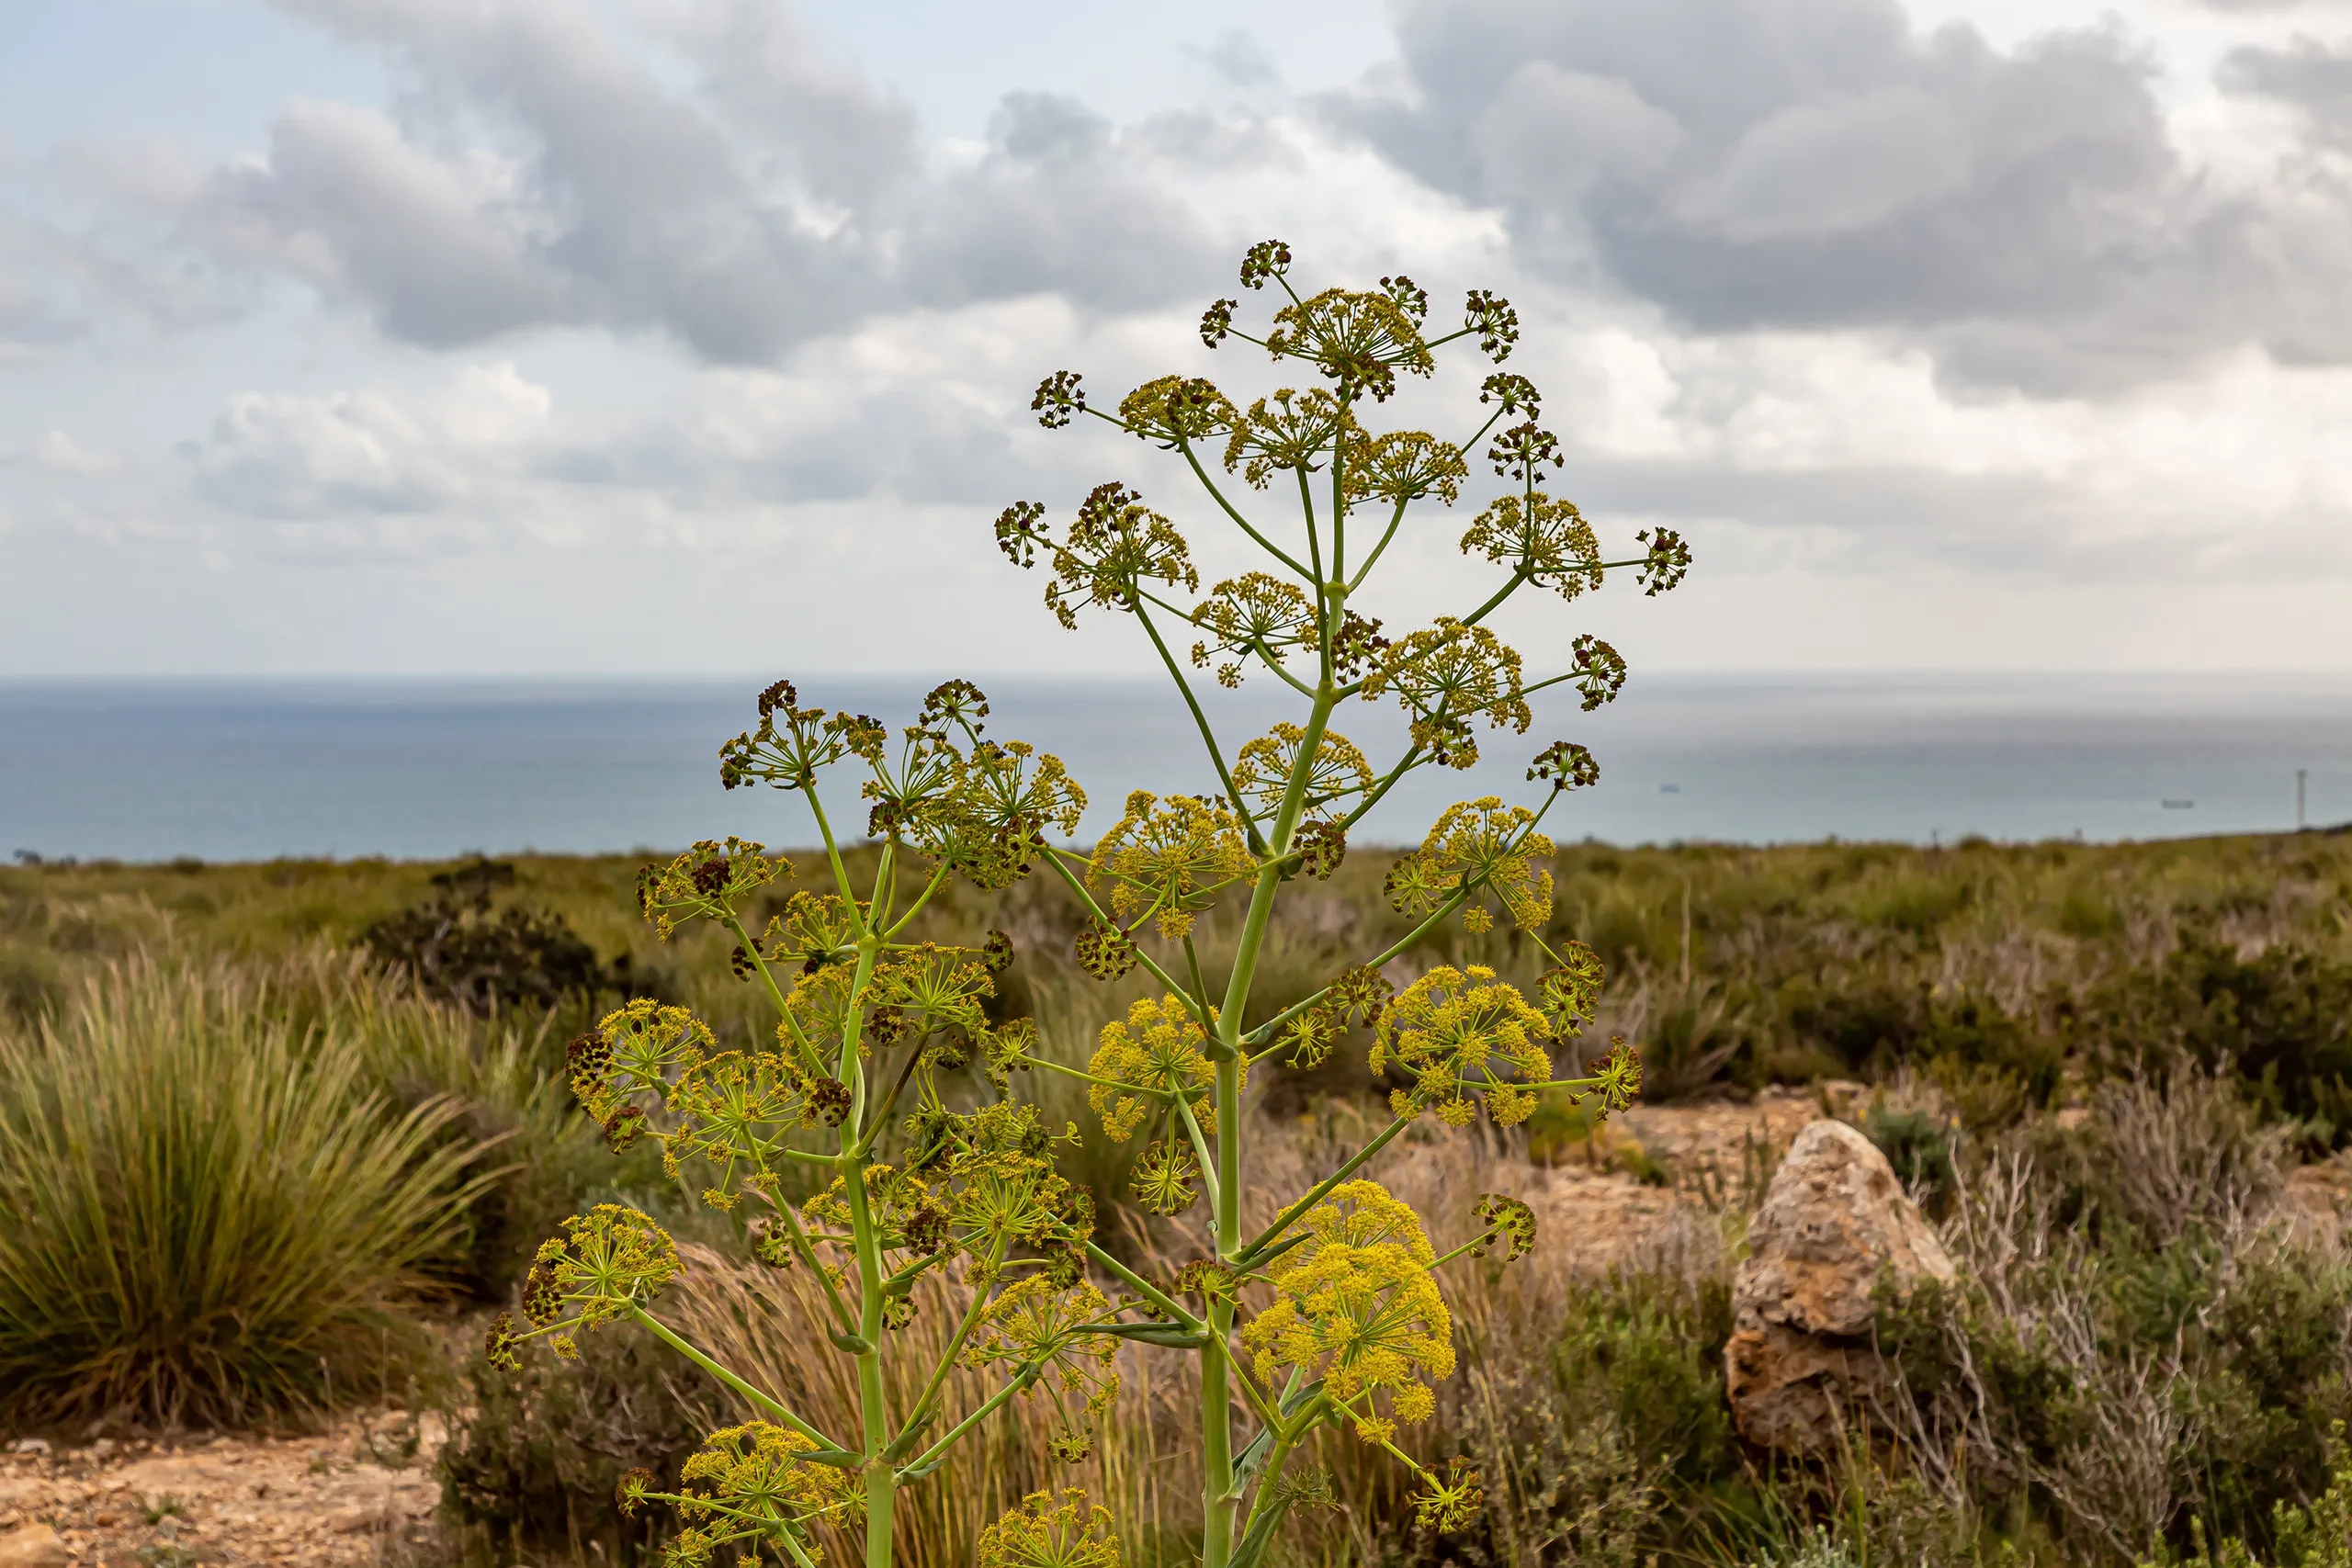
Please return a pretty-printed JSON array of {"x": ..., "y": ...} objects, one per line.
[{"x": 363, "y": 454}]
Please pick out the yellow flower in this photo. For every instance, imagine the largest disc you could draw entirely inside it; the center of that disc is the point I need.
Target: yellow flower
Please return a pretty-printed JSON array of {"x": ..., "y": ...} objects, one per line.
[
  {"x": 1158, "y": 1049},
  {"x": 1168, "y": 858},
  {"x": 607, "y": 1260},
  {"x": 1261, "y": 770},
  {"x": 1444, "y": 677},
  {"x": 704, "y": 882},
  {"x": 1485, "y": 846},
  {"x": 1037, "y": 1323},
  {"x": 1543, "y": 537},
  {"x": 1358, "y": 1307},
  {"x": 1455, "y": 1034},
  {"x": 751, "y": 1483},
  {"x": 1039, "y": 1534}
]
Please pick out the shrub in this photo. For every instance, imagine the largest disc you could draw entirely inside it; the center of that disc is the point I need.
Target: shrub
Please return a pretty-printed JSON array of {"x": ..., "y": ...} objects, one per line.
[
  {"x": 535, "y": 1458},
  {"x": 211, "y": 1215},
  {"x": 454, "y": 948},
  {"x": 2282, "y": 1020}
]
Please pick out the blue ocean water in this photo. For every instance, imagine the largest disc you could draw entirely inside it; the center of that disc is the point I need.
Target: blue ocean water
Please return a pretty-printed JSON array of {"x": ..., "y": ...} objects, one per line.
[{"x": 253, "y": 770}]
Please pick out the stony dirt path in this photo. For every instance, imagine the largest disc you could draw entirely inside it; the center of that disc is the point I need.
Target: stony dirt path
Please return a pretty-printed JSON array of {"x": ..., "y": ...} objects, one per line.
[{"x": 340, "y": 1499}]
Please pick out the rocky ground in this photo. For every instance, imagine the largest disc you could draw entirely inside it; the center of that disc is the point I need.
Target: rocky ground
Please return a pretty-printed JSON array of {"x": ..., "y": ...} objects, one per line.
[{"x": 354, "y": 1496}]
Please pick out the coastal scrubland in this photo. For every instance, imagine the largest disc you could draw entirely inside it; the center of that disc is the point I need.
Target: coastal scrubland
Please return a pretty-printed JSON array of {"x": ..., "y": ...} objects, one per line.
[{"x": 274, "y": 1137}]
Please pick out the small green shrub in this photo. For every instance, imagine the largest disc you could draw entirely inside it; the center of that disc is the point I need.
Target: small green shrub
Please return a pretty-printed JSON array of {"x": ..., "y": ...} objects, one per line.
[
  {"x": 1917, "y": 1143},
  {"x": 210, "y": 1216}
]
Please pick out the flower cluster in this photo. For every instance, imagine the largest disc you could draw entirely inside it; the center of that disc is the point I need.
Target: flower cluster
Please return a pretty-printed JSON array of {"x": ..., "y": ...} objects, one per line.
[
  {"x": 1447, "y": 675},
  {"x": 1262, "y": 769},
  {"x": 1401, "y": 468},
  {"x": 1252, "y": 614},
  {"x": 1455, "y": 1034},
  {"x": 1359, "y": 340},
  {"x": 752, "y": 1486},
  {"x": 978, "y": 806},
  {"x": 609, "y": 1262},
  {"x": 1507, "y": 1221},
  {"x": 1291, "y": 432},
  {"x": 1542, "y": 537},
  {"x": 1042, "y": 1329},
  {"x": 1110, "y": 551},
  {"x": 1478, "y": 846},
  {"x": 1177, "y": 410},
  {"x": 1157, "y": 1054},
  {"x": 1357, "y": 1306},
  {"x": 1167, "y": 860},
  {"x": 1358, "y": 995},
  {"x": 1040, "y": 1533},
  {"x": 704, "y": 883},
  {"x": 1567, "y": 994},
  {"x": 793, "y": 743}
]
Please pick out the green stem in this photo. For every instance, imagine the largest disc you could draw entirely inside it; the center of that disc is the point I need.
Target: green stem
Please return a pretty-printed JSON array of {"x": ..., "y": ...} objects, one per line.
[
  {"x": 1085, "y": 896},
  {"x": 766, "y": 1401},
  {"x": 776, "y": 993},
  {"x": 881, "y": 1483},
  {"x": 832, "y": 851},
  {"x": 1322, "y": 1189},
  {"x": 808, "y": 1256},
  {"x": 1142, "y": 1286},
  {"x": 955, "y": 1434},
  {"x": 1208, "y": 1162},
  {"x": 1216, "y": 1438},
  {"x": 1396, "y": 519},
  {"x": 938, "y": 881},
  {"x": 930, "y": 1395},
  {"x": 1218, "y": 496},
  {"x": 1518, "y": 578}
]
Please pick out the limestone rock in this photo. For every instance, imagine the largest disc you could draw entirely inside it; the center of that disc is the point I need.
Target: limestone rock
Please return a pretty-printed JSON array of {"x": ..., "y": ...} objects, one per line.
[
  {"x": 1834, "y": 1220},
  {"x": 34, "y": 1546}
]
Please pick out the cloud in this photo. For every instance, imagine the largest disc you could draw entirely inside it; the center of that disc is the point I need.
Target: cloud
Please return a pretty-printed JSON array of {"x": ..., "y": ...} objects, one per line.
[
  {"x": 53, "y": 452},
  {"x": 542, "y": 170},
  {"x": 2309, "y": 77},
  {"x": 1818, "y": 164},
  {"x": 373, "y": 454}
]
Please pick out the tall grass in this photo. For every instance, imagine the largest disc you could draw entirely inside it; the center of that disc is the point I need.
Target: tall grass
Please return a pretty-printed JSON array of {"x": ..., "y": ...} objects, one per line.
[{"x": 210, "y": 1214}]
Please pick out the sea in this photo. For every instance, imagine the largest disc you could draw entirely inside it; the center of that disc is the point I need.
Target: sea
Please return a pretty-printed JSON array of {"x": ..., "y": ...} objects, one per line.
[{"x": 143, "y": 770}]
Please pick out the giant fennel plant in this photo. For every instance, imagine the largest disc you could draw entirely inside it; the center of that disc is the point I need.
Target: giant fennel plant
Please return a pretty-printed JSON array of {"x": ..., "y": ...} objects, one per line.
[{"x": 856, "y": 1134}]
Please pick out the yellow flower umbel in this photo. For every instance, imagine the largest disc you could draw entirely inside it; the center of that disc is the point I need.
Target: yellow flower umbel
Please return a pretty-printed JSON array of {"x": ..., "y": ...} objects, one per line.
[
  {"x": 1159, "y": 1050},
  {"x": 1169, "y": 859},
  {"x": 1456, "y": 1032},
  {"x": 1358, "y": 1307},
  {"x": 1040, "y": 1326},
  {"x": 1039, "y": 1534},
  {"x": 749, "y": 1484},
  {"x": 1483, "y": 846},
  {"x": 609, "y": 1262}
]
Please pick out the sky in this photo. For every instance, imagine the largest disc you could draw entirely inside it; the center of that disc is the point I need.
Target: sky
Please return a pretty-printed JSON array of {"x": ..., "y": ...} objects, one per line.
[{"x": 591, "y": 337}]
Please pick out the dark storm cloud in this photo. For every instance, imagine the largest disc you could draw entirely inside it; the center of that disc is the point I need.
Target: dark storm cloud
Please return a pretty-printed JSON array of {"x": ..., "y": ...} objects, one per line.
[{"x": 1817, "y": 164}]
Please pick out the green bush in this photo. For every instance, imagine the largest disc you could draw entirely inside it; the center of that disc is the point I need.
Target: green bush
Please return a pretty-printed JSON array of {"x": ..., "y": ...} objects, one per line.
[
  {"x": 211, "y": 1217},
  {"x": 2282, "y": 1020}
]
